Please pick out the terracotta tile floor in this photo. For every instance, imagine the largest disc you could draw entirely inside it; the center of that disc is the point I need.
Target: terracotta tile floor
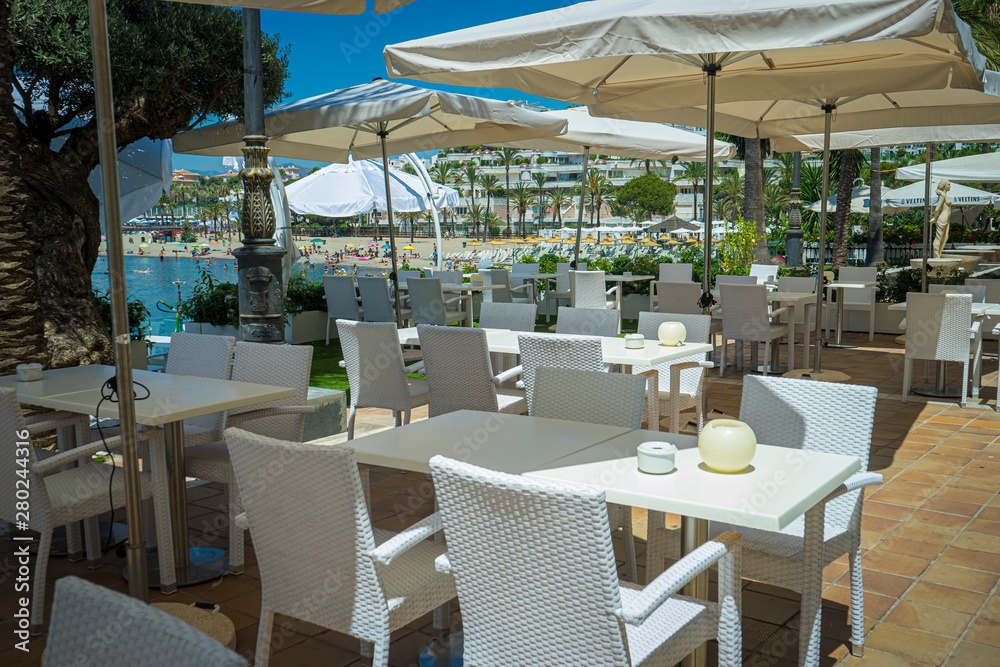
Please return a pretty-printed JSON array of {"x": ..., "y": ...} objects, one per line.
[{"x": 931, "y": 536}]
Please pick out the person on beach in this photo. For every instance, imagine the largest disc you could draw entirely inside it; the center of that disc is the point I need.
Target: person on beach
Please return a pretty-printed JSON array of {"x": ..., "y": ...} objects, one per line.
[{"x": 161, "y": 254}]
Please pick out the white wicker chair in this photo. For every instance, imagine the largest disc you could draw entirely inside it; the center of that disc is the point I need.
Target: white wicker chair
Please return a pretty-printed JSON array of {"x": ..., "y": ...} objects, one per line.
[
  {"x": 591, "y": 397},
  {"x": 675, "y": 297},
  {"x": 537, "y": 582},
  {"x": 677, "y": 385},
  {"x": 259, "y": 363},
  {"x": 587, "y": 322},
  {"x": 404, "y": 276},
  {"x": 518, "y": 269},
  {"x": 375, "y": 371},
  {"x": 854, "y": 299},
  {"x": 94, "y": 625},
  {"x": 938, "y": 329},
  {"x": 376, "y": 302},
  {"x": 504, "y": 293},
  {"x": 745, "y": 318},
  {"x": 805, "y": 322},
  {"x": 812, "y": 416},
  {"x": 63, "y": 497},
  {"x": 588, "y": 291},
  {"x": 991, "y": 295},
  {"x": 459, "y": 373},
  {"x": 511, "y": 316},
  {"x": 675, "y": 272},
  {"x": 561, "y": 289},
  {"x": 341, "y": 300},
  {"x": 315, "y": 545},
  {"x": 579, "y": 352},
  {"x": 764, "y": 273},
  {"x": 978, "y": 292},
  {"x": 430, "y": 307}
]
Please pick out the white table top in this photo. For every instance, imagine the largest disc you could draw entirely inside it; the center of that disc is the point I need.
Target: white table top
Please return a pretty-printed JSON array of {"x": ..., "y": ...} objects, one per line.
[
  {"x": 507, "y": 443},
  {"x": 781, "y": 484},
  {"x": 786, "y": 297},
  {"x": 626, "y": 279},
  {"x": 172, "y": 397},
  {"x": 614, "y": 351},
  {"x": 841, "y": 285},
  {"x": 977, "y": 308}
]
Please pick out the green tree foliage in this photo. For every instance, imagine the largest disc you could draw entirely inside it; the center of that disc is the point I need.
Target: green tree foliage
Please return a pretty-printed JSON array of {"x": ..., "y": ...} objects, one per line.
[{"x": 650, "y": 193}]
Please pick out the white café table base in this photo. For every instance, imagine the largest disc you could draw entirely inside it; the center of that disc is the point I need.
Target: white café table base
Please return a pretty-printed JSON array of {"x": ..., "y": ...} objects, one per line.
[
  {"x": 172, "y": 399},
  {"x": 779, "y": 486}
]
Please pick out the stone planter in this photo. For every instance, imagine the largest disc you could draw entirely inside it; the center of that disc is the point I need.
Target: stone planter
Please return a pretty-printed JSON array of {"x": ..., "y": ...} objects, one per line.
[{"x": 306, "y": 327}]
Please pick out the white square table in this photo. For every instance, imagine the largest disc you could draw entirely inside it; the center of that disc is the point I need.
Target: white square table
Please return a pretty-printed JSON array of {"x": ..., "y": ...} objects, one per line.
[
  {"x": 618, "y": 280},
  {"x": 841, "y": 286},
  {"x": 780, "y": 485},
  {"x": 172, "y": 399}
]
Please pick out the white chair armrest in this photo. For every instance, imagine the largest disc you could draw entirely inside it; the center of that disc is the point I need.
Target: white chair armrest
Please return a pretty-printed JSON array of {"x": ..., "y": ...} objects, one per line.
[
  {"x": 671, "y": 581},
  {"x": 520, "y": 287},
  {"x": 779, "y": 311},
  {"x": 241, "y": 521},
  {"x": 414, "y": 367},
  {"x": 858, "y": 480},
  {"x": 508, "y": 374},
  {"x": 53, "y": 463},
  {"x": 239, "y": 418},
  {"x": 342, "y": 363},
  {"x": 51, "y": 421},
  {"x": 442, "y": 564},
  {"x": 415, "y": 534},
  {"x": 613, "y": 290}
]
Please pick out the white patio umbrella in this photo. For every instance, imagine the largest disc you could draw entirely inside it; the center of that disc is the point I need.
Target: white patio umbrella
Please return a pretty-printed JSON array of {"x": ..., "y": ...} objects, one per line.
[
  {"x": 144, "y": 173},
  {"x": 650, "y": 141},
  {"x": 913, "y": 196},
  {"x": 342, "y": 190},
  {"x": 378, "y": 118},
  {"x": 893, "y": 136},
  {"x": 981, "y": 168}
]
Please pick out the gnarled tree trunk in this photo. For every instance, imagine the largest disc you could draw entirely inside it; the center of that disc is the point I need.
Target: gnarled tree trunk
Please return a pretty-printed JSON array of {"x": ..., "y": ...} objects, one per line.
[
  {"x": 875, "y": 253},
  {"x": 753, "y": 198},
  {"x": 842, "y": 217}
]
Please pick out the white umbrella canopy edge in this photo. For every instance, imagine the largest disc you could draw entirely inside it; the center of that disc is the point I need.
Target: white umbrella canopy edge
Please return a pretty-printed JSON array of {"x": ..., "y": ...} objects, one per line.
[
  {"x": 912, "y": 195},
  {"x": 890, "y": 136},
  {"x": 340, "y": 7},
  {"x": 982, "y": 168}
]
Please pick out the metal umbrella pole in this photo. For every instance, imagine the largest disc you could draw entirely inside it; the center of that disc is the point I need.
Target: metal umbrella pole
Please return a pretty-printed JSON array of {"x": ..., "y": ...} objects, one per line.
[
  {"x": 135, "y": 548},
  {"x": 711, "y": 69},
  {"x": 383, "y": 132},
  {"x": 828, "y": 110},
  {"x": 579, "y": 213},
  {"x": 927, "y": 214}
]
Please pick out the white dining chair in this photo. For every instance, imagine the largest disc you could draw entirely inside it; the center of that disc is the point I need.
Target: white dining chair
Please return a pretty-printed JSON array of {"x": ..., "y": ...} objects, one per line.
[
  {"x": 341, "y": 301},
  {"x": 429, "y": 306},
  {"x": 746, "y": 319},
  {"x": 675, "y": 297},
  {"x": 579, "y": 352},
  {"x": 559, "y": 288},
  {"x": 939, "y": 327},
  {"x": 802, "y": 314},
  {"x": 587, "y": 322},
  {"x": 764, "y": 273},
  {"x": 857, "y": 299},
  {"x": 588, "y": 291},
  {"x": 510, "y": 316},
  {"x": 378, "y": 307},
  {"x": 503, "y": 292},
  {"x": 538, "y": 585}
]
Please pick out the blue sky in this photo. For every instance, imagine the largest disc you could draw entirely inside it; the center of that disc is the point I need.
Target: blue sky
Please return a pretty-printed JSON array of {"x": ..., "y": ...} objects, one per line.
[{"x": 331, "y": 52}]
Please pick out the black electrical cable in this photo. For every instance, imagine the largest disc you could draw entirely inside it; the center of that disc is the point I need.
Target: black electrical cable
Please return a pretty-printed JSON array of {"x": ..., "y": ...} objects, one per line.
[{"x": 109, "y": 392}]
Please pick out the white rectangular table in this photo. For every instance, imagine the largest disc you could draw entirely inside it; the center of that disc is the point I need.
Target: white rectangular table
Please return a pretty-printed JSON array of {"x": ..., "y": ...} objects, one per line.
[
  {"x": 780, "y": 485},
  {"x": 172, "y": 399},
  {"x": 837, "y": 285}
]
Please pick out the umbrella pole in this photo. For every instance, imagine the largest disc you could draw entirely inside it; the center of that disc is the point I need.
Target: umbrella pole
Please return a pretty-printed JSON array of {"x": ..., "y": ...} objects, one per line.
[
  {"x": 383, "y": 132},
  {"x": 927, "y": 215},
  {"x": 579, "y": 213},
  {"x": 828, "y": 109},
  {"x": 135, "y": 549},
  {"x": 711, "y": 69}
]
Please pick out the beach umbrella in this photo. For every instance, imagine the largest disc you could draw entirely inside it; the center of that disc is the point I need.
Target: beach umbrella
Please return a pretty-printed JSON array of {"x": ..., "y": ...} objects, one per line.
[
  {"x": 408, "y": 247},
  {"x": 556, "y": 238},
  {"x": 310, "y": 240},
  {"x": 385, "y": 247},
  {"x": 143, "y": 245},
  {"x": 589, "y": 238},
  {"x": 626, "y": 241},
  {"x": 380, "y": 118},
  {"x": 980, "y": 168},
  {"x": 569, "y": 242},
  {"x": 350, "y": 245},
  {"x": 342, "y": 190},
  {"x": 651, "y": 141},
  {"x": 667, "y": 61},
  {"x": 474, "y": 243},
  {"x": 496, "y": 242}
]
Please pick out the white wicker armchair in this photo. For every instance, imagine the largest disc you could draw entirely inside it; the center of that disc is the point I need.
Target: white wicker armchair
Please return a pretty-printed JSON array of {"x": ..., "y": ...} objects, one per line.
[
  {"x": 430, "y": 307},
  {"x": 579, "y": 352},
  {"x": 677, "y": 385},
  {"x": 341, "y": 301},
  {"x": 538, "y": 585},
  {"x": 276, "y": 365},
  {"x": 802, "y": 313},
  {"x": 588, "y": 290},
  {"x": 503, "y": 292},
  {"x": 854, "y": 299},
  {"x": 375, "y": 371},
  {"x": 378, "y": 307},
  {"x": 940, "y": 327},
  {"x": 811, "y": 416},
  {"x": 511, "y": 316},
  {"x": 558, "y": 288},
  {"x": 94, "y": 625},
  {"x": 587, "y": 322},
  {"x": 62, "y": 497},
  {"x": 320, "y": 559},
  {"x": 746, "y": 318},
  {"x": 459, "y": 373}
]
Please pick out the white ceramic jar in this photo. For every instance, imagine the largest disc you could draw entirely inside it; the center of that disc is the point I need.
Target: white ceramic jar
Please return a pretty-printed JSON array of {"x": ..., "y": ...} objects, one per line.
[
  {"x": 727, "y": 445},
  {"x": 671, "y": 334}
]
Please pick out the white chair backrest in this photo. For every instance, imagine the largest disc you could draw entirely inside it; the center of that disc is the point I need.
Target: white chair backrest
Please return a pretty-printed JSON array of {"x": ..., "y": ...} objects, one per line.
[
  {"x": 449, "y": 277},
  {"x": 744, "y": 312},
  {"x": 562, "y": 283},
  {"x": 459, "y": 372},
  {"x": 675, "y": 272},
  {"x": 697, "y": 327},
  {"x": 580, "y": 352},
  {"x": 764, "y": 272},
  {"x": 573, "y": 597},
  {"x": 374, "y": 364},
  {"x": 797, "y": 284},
  {"x": 587, "y": 289},
  {"x": 404, "y": 276},
  {"x": 371, "y": 272},
  {"x": 512, "y": 316},
  {"x": 309, "y": 496},
  {"x": 278, "y": 366},
  {"x": 80, "y": 606},
  {"x": 858, "y": 274},
  {"x": 341, "y": 298},
  {"x": 992, "y": 286},
  {"x": 937, "y": 326},
  {"x": 978, "y": 292},
  {"x": 828, "y": 417},
  {"x": 678, "y": 297},
  {"x": 734, "y": 280},
  {"x": 499, "y": 277},
  {"x": 375, "y": 299},
  {"x": 587, "y": 322},
  {"x": 427, "y": 301},
  {"x": 523, "y": 267},
  {"x": 12, "y": 423},
  {"x": 203, "y": 356},
  {"x": 591, "y": 397}
]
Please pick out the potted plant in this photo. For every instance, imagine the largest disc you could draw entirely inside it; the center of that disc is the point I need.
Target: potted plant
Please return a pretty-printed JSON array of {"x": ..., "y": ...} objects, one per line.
[
  {"x": 138, "y": 328},
  {"x": 212, "y": 308},
  {"x": 305, "y": 309}
]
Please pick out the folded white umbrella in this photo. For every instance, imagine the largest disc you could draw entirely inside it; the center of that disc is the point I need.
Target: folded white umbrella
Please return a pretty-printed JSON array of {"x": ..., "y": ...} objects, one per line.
[
  {"x": 982, "y": 168},
  {"x": 891, "y": 136},
  {"x": 626, "y": 138},
  {"x": 342, "y": 190}
]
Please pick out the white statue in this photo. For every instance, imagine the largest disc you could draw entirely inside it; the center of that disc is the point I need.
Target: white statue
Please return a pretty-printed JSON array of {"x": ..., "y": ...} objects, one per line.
[{"x": 941, "y": 219}]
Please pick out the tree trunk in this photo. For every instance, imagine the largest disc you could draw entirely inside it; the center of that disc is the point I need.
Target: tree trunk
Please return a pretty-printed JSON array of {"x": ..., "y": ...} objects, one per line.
[
  {"x": 842, "y": 217},
  {"x": 694, "y": 201},
  {"x": 753, "y": 198},
  {"x": 506, "y": 198},
  {"x": 875, "y": 253}
]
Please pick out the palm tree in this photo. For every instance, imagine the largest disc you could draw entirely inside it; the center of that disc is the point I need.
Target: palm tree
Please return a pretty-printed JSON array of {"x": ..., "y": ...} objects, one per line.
[
  {"x": 599, "y": 191},
  {"x": 875, "y": 252},
  {"x": 696, "y": 172},
  {"x": 507, "y": 158},
  {"x": 476, "y": 215},
  {"x": 559, "y": 198},
  {"x": 523, "y": 199},
  {"x": 490, "y": 184},
  {"x": 540, "y": 178},
  {"x": 776, "y": 199},
  {"x": 846, "y": 168},
  {"x": 469, "y": 177},
  {"x": 732, "y": 189},
  {"x": 753, "y": 197}
]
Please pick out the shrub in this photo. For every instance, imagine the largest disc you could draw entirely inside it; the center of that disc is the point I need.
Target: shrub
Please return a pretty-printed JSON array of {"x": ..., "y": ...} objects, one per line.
[
  {"x": 212, "y": 302},
  {"x": 302, "y": 294},
  {"x": 137, "y": 314}
]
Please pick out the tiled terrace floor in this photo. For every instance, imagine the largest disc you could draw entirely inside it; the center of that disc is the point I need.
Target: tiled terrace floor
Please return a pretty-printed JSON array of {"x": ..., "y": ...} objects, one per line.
[{"x": 931, "y": 535}]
